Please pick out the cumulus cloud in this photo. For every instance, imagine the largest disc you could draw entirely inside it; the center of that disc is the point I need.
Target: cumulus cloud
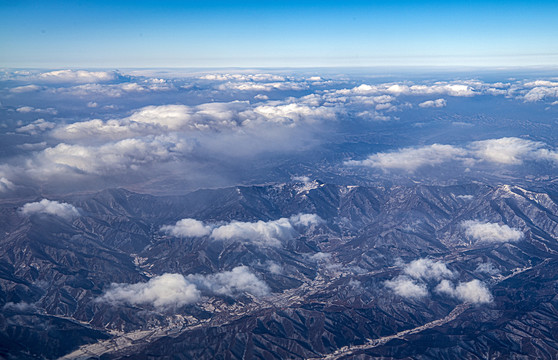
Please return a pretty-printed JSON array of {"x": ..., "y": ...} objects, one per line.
[
  {"x": 474, "y": 291},
  {"x": 63, "y": 210},
  {"x": 187, "y": 228},
  {"x": 396, "y": 89},
  {"x": 426, "y": 269},
  {"x": 410, "y": 159},
  {"x": 128, "y": 154},
  {"x": 78, "y": 76},
  {"x": 305, "y": 220},
  {"x": 541, "y": 90},
  {"x": 505, "y": 151},
  {"x": 508, "y": 150},
  {"x": 491, "y": 232},
  {"x": 109, "y": 130},
  {"x": 223, "y": 117},
  {"x": 270, "y": 233},
  {"x": 438, "y": 103},
  {"x": 161, "y": 291},
  {"x": 419, "y": 275},
  {"x": 29, "y": 109},
  {"x": 231, "y": 283},
  {"x": 36, "y": 127},
  {"x": 175, "y": 290},
  {"x": 407, "y": 287},
  {"x": 292, "y": 113}
]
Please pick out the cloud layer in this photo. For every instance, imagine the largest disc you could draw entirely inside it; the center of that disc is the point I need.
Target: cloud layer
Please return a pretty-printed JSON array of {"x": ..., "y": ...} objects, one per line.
[{"x": 113, "y": 128}]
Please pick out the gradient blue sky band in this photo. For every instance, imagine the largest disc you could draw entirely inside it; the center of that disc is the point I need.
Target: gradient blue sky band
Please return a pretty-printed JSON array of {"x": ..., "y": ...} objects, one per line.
[{"x": 277, "y": 33}]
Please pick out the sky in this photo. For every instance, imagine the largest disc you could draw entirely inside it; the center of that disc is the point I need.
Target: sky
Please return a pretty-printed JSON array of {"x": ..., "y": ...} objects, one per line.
[{"x": 105, "y": 34}]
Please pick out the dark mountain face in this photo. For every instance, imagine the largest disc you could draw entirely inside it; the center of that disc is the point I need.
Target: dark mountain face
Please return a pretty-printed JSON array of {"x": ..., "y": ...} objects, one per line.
[{"x": 465, "y": 271}]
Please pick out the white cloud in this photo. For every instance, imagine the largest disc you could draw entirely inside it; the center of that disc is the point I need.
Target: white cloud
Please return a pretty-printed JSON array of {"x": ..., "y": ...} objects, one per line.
[
  {"x": 231, "y": 283},
  {"x": 511, "y": 151},
  {"x": 78, "y": 76},
  {"x": 438, "y": 103},
  {"x": 20, "y": 306},
  {"x": 543, "y": 90},
  {"x": 254, "y": 86},
  {"x": 269, "y": 233},
  {"x": 418, "y": 273},
  {"x": 302, "y": 179},
  {"x": 541, "y": 83},
  {"x": 321, "y": 256},
  {"x": 25, "y": 89},
  {"x": 36, "y": 127},
  {"x": 161, "y": 291},
  {"x": 487, "y": 268},
  {"x": 396, "y": 89},
  {"x": 222, "y": 117},
  {"x": 261, "y": 97},
  {"x": 29, "y": 109},
  {"x": 274, "y": 267},
  {"x": 187, "y": 228},
  {"x": 108, "y": 130},
  {"x": 63, "y": 210},
  {"x": 293, "y": 113},
  {"x": 305, "y": 220},
  {"x": 172, "y": 117},
  {"x": 107, "y": 90},
  {"x": 128, "y": 154},
  {"x": 6, "y": 185},
  {"x": 410, "y": 159},
  {"x": 426, "y": 269},
  {"x": 407, "y": 287},
  {"x": 491, "y": 232},
  {"x": 506, "y": 151},
  {"x": 175, "y": 290},
  {"x": 242, "y": 77},
  {"x": 474, "y": 291}
]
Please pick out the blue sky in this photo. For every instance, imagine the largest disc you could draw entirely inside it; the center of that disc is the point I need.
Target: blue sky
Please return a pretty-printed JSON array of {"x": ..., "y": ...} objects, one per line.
[{"x": 277, "y": 33}]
